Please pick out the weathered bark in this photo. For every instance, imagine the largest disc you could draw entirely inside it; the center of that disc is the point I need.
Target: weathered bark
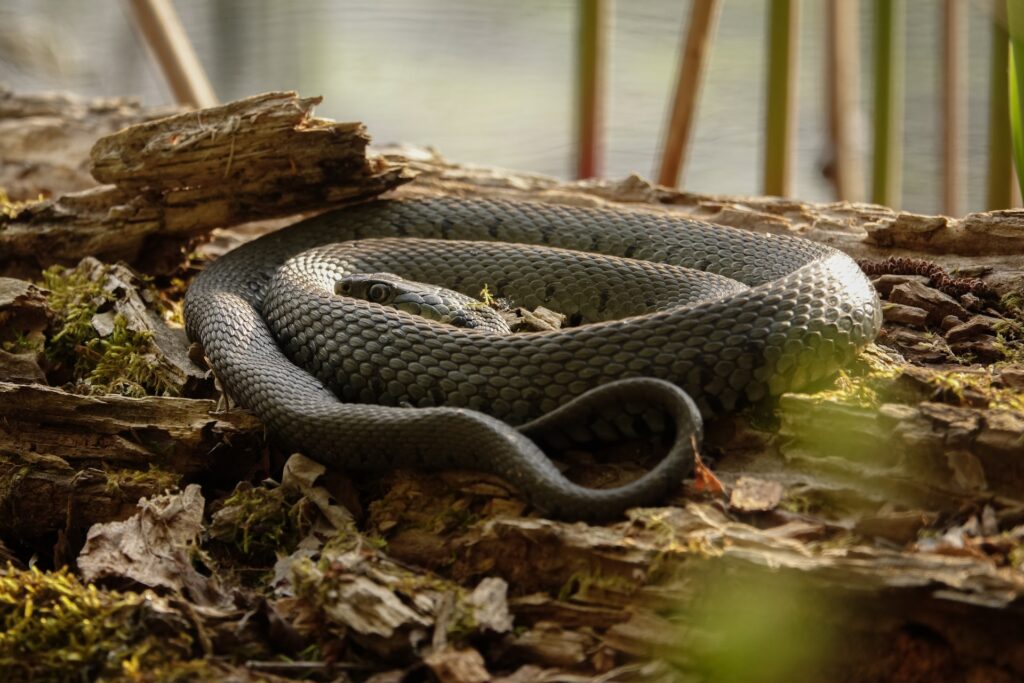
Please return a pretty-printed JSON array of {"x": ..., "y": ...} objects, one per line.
[
  {"x": 68, "y": 461},
  {"x": 179, "y": 176},
  {"x": 180, "y": 434}
]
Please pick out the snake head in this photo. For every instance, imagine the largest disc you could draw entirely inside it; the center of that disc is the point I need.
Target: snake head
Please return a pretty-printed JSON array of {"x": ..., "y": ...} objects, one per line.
[{"x": 423, "y": 300}]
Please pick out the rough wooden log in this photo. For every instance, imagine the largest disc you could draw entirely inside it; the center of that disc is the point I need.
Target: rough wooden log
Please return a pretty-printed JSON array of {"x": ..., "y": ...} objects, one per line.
[
  {"x": 68, "y": 461},
  {"x": 183, "y": 435},
  {"x": 24, "y": 319},
  {"x": 672, "y": 570},
  {"x": 179, "y": 176}
]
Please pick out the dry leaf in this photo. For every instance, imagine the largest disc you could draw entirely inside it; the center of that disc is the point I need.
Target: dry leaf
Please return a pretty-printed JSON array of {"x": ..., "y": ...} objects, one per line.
[{"x": 153, "y": 548}]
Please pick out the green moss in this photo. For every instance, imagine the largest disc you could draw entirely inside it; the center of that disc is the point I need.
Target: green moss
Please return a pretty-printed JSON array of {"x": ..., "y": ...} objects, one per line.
[
  {"x": 260, "y": 522},
  {"x": 796, "y": 503},
  {"x": 1015, "y": 558},
  {"x": 180, "y": 671},
  {"x": 23, "y": 343},
  {"x": 486, "y": 298},
  {"x": 154, "y": 479},
  {"x": 76, "y": 300},
  {"x": 582, "y": 585},
  {"x": 867, "y": 383},
  {"x": 122, "y": 362},
  {"x": 1010, "y": 331},
  {"x": 956, "y": 384},
  {"x": 873, "y": 380},
  {"x": 1013, "y": 304},
  {"x": 54, "y": 628}
]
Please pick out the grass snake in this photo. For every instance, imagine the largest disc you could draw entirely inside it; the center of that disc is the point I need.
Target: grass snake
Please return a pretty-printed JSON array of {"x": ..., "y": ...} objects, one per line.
[{"x": 671, "y": 316}]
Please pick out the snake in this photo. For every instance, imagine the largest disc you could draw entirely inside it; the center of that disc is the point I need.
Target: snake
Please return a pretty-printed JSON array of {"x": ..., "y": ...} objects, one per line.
[{"x": 670, "y": 320}]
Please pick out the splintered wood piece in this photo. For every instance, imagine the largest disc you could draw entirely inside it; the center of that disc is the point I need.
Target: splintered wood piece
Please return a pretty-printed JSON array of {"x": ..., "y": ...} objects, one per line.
[
  {"x": 175, "y": 177},
  {"x": 179, "y": 433},
  {"x": 269, "y": 141}
]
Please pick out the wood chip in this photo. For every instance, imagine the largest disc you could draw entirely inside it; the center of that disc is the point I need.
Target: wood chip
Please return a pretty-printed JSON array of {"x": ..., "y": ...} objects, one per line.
[{"x": 755, "y": 495}]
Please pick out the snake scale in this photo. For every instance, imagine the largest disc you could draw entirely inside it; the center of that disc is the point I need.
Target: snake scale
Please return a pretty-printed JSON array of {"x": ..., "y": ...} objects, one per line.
[{"x": 359, "y": 385}]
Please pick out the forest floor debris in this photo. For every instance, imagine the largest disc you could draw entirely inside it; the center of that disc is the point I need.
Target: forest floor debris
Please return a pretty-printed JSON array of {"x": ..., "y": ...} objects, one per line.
[{"x": 876, "y": 520}]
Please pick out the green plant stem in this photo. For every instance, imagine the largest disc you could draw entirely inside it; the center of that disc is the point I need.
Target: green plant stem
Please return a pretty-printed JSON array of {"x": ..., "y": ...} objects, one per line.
[
  {"x": 1015, "y": 21},
  {"x": 590, "y": 86},
  {"x": 782, "y": 50},
  {"x": 888, "y": 145},
  {"x": 1000, "y": 170}
]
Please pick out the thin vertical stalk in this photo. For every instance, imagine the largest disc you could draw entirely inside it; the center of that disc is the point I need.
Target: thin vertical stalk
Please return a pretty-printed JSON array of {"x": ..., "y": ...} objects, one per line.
[
  {"x": 781, "y": 111},
  {"x": 888, "y": 123},
  {"x": 843, "y": 90},
  {"x": 160, "y": 26},
  {"x": 1015, "y": 21},
  {"x": 999, "y": 193},
  {"x": 954, "y": 105},
  {"x": 590, "y": 84},
  {"x": 703, "y": 16}
]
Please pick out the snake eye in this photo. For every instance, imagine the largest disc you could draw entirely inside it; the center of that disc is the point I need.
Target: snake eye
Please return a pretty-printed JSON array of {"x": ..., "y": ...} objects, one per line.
[{"x": 378, "y": 292}]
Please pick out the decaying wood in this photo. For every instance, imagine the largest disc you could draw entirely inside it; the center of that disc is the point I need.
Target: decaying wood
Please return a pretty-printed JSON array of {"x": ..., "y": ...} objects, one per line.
[
  {"x": 131, "y": 301},
  {"x": 69, "y": 461},
  {"x": 175, "y": 177},
  {"x": 24, "y": 315},
  {"x": 884, "y": 509},
  {"x": 184, "y": 435}
]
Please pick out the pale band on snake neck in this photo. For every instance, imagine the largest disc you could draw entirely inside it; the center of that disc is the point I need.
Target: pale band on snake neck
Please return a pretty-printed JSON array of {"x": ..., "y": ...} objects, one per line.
[{"x": 670, "y": 316}]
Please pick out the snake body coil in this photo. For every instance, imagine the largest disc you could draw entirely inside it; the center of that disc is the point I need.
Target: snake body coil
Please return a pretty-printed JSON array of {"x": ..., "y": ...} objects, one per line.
[{"x": 358, "y": 384}]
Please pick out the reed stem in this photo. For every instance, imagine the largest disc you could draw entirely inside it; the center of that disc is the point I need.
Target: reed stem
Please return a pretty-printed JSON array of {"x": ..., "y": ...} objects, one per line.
[
  {"x": 1015, "y": 21},
  {"x": 590, "y": 85},
  {"x": 954, "y": 105},
  {"x": 781, "y": 110},
  {"x": 888, "y": 120},
  {"x": 163, "y": 32},
  {"x": 703, "y": 16},
  {"x": 999, "y": 193},
  {"x": 843, "y": 91}
]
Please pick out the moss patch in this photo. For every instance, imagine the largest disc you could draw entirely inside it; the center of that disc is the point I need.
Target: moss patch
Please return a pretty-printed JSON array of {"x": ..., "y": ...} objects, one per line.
[
  {"x": 57, "y": 629},
  {"x": 10, "y": 208},
  {"x": 120, "y": 362},
  {"x": 868, "y": 381},
  {"x": 259, "y": 522}
]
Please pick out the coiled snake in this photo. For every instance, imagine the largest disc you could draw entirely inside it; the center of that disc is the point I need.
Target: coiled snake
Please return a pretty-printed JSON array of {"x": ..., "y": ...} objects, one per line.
[{"x": 357, "y": 384}]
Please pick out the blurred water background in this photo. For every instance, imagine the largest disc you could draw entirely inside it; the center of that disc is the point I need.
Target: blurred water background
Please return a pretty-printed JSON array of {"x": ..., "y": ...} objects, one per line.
[{"x": 491, "y": 82}]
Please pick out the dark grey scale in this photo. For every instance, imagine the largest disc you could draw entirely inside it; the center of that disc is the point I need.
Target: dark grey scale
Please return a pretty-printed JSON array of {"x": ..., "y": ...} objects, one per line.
[{"x": 771, "y": 314}]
